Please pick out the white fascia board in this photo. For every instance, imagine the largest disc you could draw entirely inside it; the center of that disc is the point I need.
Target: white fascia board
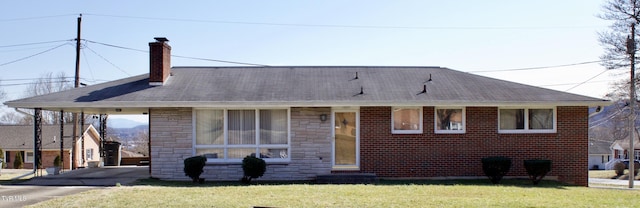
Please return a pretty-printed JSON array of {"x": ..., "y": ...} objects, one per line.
[{"x": 188, "y": 104}]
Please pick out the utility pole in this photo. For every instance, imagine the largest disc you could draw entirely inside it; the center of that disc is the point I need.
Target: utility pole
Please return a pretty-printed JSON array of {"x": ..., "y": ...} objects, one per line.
[
  {"x": 76, "y": 85},
  {"x": 631, "y": 50}
]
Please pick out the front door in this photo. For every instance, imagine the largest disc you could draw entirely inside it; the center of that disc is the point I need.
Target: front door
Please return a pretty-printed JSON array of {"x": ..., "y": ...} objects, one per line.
[{"x": 346, "y": 141}]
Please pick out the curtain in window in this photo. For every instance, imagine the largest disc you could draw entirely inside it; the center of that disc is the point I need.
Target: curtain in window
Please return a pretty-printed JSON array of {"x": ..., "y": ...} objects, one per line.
[
  {"x": 406, "y": 119},
  {"x": 273, "y": 126},
  {"x": 540, "y": 118},
  {"x": 511, "y": 118},
  {"x": 209, "y": 127},
  {"x": 242, "y": 127}
]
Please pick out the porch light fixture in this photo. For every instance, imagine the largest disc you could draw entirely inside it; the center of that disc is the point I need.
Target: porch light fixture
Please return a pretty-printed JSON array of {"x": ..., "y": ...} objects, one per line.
[{"x": 323, "y": 117}]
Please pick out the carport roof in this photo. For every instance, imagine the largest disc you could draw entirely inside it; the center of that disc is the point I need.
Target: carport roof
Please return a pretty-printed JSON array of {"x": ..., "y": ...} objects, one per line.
[{"x": 302, "y": 86}]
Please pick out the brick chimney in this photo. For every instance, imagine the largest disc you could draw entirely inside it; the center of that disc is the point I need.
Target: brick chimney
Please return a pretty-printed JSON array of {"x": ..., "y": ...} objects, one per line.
[{"x": 159, "y": 61}]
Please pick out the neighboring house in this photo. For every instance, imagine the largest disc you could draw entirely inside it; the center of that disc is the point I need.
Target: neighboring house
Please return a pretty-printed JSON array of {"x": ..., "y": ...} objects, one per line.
[
  {"x": 599, "y": 154},
  {"x": 18, "y": 139},
  {"x": 305, "y": 121},
  {"x": 619, "y": 148}
]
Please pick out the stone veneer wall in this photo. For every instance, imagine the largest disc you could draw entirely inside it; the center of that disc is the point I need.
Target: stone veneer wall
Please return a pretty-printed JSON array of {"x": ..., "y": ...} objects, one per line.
[
  {"x": 172, "y": 141},
  {"x": 170, "y": 135}
]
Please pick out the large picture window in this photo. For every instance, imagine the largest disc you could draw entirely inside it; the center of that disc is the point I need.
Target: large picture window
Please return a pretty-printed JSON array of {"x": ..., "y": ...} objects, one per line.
[
  {"x": 229, "y": 135},
  {"x": 406, "y": 120},
  {"x": 522, "y": 120},
  {"x": 450, "y": 120}
]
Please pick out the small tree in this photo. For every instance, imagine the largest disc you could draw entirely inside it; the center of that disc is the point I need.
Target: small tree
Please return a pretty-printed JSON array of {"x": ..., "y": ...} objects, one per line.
[
  {"x": 4, "y": 164},
  {"x": 619, "y": 168},
  {"x": 252, "y": 167},
  {"x": 17, "y": 162},
  {"x": 57, "y": 162},
  {"x": 57, "y": 165}
]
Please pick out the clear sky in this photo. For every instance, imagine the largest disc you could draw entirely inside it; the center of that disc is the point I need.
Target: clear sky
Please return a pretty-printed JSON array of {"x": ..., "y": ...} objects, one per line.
[{"x": 470, "y": 36}]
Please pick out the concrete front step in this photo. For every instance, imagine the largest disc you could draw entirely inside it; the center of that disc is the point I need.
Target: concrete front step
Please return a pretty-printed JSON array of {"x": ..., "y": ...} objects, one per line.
[{"x": 347, "y": 178}]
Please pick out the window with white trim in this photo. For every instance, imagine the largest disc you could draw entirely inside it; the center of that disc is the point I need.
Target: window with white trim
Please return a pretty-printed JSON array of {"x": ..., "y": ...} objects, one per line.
[
  {"x": 28, "y": 156},
  {"x": 406, "y": 120},
  {"x": 89, "y": 154},
  {"x": 229, "y": 135},
  {"x": 527, "y": 120},
  {"x": 449, "y": 120}
]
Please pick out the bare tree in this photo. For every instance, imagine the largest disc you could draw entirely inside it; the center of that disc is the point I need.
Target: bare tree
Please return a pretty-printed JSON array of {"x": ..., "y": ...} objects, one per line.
[
  {"x": 3, "y": 94},
  {"x": 619, "y": 46},
  {"x": 142, "y": 143},
  {"x": 623, "y": 14},
  {"x": 15, "y": 118},
  {"x": 46, "y": 84}
]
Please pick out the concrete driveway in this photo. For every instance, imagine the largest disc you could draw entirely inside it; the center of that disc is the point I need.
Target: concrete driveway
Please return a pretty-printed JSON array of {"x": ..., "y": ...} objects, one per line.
[{"x": 71, "y": 182}]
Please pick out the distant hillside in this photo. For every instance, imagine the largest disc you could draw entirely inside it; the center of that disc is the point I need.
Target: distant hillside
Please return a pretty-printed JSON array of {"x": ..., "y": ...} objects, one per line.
[{"x": 120, "y": 123}]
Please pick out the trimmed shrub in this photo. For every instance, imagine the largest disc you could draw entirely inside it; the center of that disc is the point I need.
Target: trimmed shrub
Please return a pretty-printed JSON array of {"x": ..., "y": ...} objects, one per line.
[
  {"x": 252, "y": 167},
  {"x": 619, "y": 168},
  {"x": 17, "y": 162},
  {"x": 537, "y": 169},
  {"x": 636, "y": 168},
  {"x": 4, "y": 163},
  {"x": 193, "y": 167},
  {"x": 57, "y": 162},
  {"x": 496, "y": 167}
]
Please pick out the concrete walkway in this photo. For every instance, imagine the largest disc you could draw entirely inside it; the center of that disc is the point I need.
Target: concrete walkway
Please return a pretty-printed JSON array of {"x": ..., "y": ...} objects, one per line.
[
  {"x": 104, "y": 176},
  {"x": 612, "y": 183}
]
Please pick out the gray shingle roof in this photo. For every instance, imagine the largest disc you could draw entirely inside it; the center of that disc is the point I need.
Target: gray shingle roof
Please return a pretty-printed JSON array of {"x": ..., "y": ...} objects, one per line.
[
  {"x": 305, "y": 86},
  {"x": 599, "y": 147},
  {"x": 14, "y": 137}
]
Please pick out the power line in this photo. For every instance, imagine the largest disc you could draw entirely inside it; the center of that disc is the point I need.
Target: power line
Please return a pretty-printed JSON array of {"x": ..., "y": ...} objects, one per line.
[
  {"x": 29, "y": 79},
  {"x": 115, "y": 46},
  {"x": 178, "y": 56},
  {"x": 216, "y": 60},
  {"x": 343, "y": 26},
  {"x": 534, "y": 68},
  {"x": 36, "y": 43},
  {"x": 588, "y": 80},
  {"x": 30, "y": 56},
  {"x": 32, "y": 83},
  {"x": 107, "y": 60},
  {"x": 39, "y": 17},
  {"x": 562, "y": 84}
]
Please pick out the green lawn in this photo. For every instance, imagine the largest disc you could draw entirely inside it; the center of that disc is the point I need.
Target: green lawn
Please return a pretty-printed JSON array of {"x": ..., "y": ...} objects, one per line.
[{"x": 473, "y": 193}]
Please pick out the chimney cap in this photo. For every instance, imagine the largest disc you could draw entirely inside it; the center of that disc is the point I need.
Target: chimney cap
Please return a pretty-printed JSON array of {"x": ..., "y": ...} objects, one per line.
[{"x": 161, "y": 39}]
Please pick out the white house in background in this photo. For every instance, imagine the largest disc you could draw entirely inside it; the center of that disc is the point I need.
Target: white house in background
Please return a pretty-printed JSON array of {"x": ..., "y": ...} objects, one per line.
[
  {"x": 18, "y": 139},
  {"x": 600, "y": 153}
]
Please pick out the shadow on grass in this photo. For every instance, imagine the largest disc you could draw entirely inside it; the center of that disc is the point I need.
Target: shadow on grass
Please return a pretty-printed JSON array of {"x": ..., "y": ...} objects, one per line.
[
  {"x": 523, "y": 183},
  {"x": 12, "y": 181}
]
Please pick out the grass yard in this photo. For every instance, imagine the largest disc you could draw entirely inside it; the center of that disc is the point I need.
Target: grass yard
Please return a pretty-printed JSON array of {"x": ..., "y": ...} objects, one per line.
[{"x": 512, "y": 193}]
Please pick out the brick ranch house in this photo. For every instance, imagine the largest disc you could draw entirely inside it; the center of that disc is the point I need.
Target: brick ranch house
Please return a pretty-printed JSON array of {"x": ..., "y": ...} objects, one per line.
[
  {"x": 305, "y": 121},
  {"x": 18, "y": 139}
]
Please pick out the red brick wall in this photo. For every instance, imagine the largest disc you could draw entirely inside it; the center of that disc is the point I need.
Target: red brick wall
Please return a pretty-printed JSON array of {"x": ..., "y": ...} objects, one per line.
[
  {"x": 438, "y": 155},
  {"x": 160, "y": 61}
]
